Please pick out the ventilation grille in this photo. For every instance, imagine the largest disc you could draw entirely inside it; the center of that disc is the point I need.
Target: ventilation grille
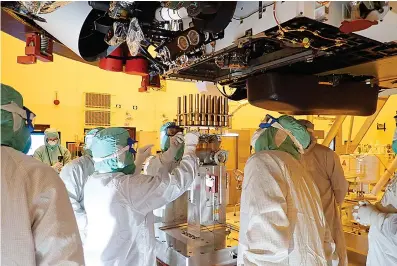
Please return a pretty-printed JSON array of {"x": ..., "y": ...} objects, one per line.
[
  {"x": 97, "y": 118},
  {"x": 97, "y": 100}
]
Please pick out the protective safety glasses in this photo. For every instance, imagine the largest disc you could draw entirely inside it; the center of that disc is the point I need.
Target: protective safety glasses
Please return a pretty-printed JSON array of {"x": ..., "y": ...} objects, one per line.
[
  {"x": 270, "y": 120},
  {"x": 131, "y": 142},
  {"x": 128, "y": 148},
  {"x": 19, "y": 114},
  {"x": 173, "y": 130},
  {"x": 29, "y": 119}
]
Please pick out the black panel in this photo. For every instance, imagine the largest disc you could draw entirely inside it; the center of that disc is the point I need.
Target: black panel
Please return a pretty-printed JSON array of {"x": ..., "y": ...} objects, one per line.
[{"x": 303, "y": 94}]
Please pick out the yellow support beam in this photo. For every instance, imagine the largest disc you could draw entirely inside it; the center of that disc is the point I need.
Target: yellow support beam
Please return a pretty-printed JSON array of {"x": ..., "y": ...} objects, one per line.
[
  {"x": 334, "y": 130},
  {"x": 349, "y": 138}
]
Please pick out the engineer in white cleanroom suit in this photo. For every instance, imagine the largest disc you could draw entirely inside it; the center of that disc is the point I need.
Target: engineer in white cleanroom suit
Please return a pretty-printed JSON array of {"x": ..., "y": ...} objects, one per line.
[
  {"x": 154, "y": 163},
  {"x": 75, "y": 174},
  {"x": 37, "y": 222},
  {"x": 51, "y": 150},
  {"x": 176, "y": 210},
  {"x": 326, "y": 171},
  {"x": 382, "y": 219},
  {"x": 281, "y": 218},
  {"x": 121, "y": 202}
]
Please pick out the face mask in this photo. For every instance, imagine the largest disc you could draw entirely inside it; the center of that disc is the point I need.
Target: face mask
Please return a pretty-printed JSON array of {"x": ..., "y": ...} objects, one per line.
[
  {"x": 27, "y": 146},
  {"x": 24, "y": 140},
  {"x": 129, "y": 169},
  {"x": 52, "y": 142},
  {"x": 164, "y": 142},
  {"x": 120, "y": 161},
  {"x": 22, "y": 119},
  {"x": 179, "y": 153},
  {"x": 394, "y": 146}
]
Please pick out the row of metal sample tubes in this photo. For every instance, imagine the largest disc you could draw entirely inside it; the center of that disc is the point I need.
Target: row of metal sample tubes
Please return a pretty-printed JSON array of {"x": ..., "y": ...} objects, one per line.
[{"x": 203, "y": 110}]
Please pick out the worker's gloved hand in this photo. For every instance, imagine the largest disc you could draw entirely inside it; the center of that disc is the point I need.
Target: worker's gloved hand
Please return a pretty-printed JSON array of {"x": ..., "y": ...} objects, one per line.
[
  {"x": 366, "y": 213},
  {"x": 176, "y": 143},
  {"x": 142, "y": 154},
  {"x": 191, "y": 141},
  {"x": 57, "y": 167}
]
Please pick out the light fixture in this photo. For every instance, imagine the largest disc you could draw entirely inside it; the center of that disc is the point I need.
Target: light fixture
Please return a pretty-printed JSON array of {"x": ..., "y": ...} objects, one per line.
[{"x": 227, "y": 134}]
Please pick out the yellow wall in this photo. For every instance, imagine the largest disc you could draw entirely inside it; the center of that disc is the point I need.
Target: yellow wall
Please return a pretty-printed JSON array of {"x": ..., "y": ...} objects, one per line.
[{"x": 38, "y": 84}]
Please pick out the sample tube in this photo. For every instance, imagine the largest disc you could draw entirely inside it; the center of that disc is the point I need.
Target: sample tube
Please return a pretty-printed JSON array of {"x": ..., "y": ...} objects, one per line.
[
  {"x": 184, "y": 120},
  {"x": 221, "y": 111},
  {"x": 215, "y": 107},
  {"x": 202, "y": 110},
  {"x": 209, "y": 111},
  {"x": 191, "y": 115},
  {"x": 226, "y": 111},
  {"x": 204, "y": 116},
  {"x": 178, "y": 115},
  {"x": 197, "y": 110}
]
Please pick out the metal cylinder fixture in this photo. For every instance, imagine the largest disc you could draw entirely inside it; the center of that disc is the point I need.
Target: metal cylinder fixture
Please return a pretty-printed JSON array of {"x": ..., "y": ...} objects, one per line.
[
  {"x": 201, "y": 110},
  {"x": 226, "y": 111},
  {"x": 221, "y": 111},
  {"x": 209, "y": 111},
  {"x": 215, "y": 110},
  {"x": 205, "y": 108},
  {"x": 197, "y": 110},
  {"x": 184, "y": 120},
  {"x": 178, "y": 116},
  {"x": 190, "y": 115}
]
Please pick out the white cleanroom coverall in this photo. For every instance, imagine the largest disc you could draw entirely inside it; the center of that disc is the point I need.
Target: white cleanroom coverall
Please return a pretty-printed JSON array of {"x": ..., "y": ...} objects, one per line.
[
  {"x": 121, "y": 205},
  {"x": 281, "y": 217},
  {"x": 326, "y": 171},
  {"x": 75, "y": 175},
  {"x": 382, "y": 218},
  {"x": 37, "y": 222}
]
